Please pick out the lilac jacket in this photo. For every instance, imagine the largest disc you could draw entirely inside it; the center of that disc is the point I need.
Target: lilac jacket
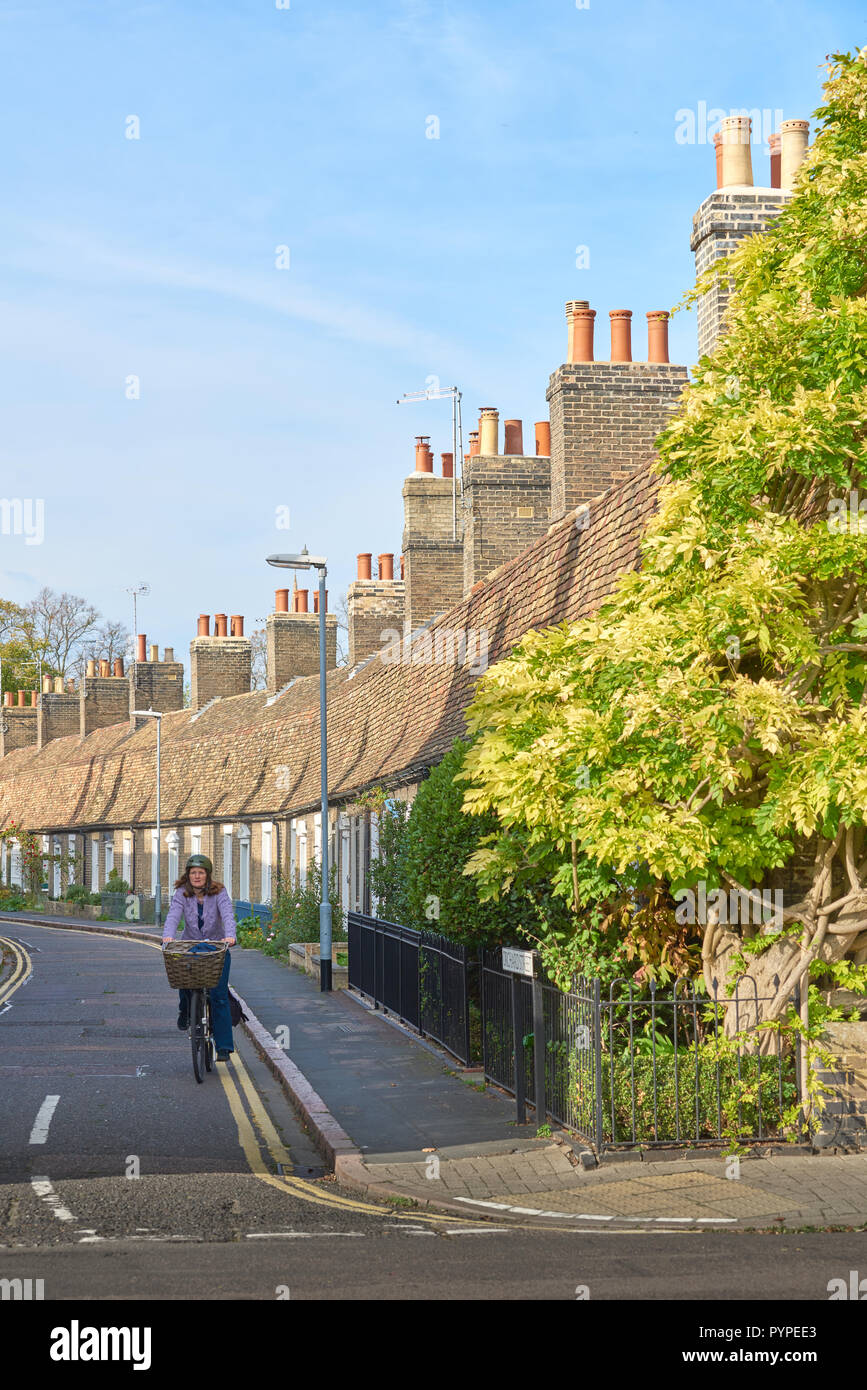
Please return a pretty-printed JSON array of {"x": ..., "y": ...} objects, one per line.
[{"x": 219, "y": 917}]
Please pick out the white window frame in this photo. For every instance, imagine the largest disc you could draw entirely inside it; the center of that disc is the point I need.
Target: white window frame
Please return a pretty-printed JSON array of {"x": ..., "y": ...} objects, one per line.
[
  {"x": 57, "y": 883},
  {"x": 155, "y": 850},
  {"x": 374, "y": 854},
  {"x": 317, "y": 838},
  {"x": 70, "y": 840},
  {"x": 302, "y": 852},
  {"x": 195, "y": 839},
  {"x": 94, "y": 863},
  {"x": 108, "y": 856},
  {"x": 244, "y": 863},
  {"x": 267, "y": 860},
  {"x": 343, "y": 825},
  {"x": 126, "y": 858},
  {"x": 228, "y": 832},
  {"x": 293, "y": 852},
  {"x": 16, "y": 869},
  {"x": 173, "y": 845}
]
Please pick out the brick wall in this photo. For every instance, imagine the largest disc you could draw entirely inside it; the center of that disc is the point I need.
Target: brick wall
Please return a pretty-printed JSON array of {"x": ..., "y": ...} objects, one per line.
[
  {"x": 374, "y": 606},
  {"x": 58, "y": 715},
  {"x": 292, "y": 646},
  {"x": 605, "y": 417},
  {"x": 434, "y": 578},
  {"x": 104, "y": 700},
  {"x": 433, "y": 560},
  {"x": 158, "y": 685},
  {"x": 721, "y": 223},
  {"x": 219, "y": 666},
  {"x": 506, "y": 505},
  {"x": 17, "y": 728}
]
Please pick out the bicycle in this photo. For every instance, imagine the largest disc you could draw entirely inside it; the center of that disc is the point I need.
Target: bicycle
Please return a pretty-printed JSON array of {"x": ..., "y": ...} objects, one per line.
[{"x": 197, "y": 966}]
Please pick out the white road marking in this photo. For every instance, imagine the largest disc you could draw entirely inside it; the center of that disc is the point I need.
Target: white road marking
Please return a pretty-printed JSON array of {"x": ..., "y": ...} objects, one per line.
[
  {"x": 478, "y": 1230},
  {"x": 2, "y": 1011},
  {"x": 297, "y": 1235},
  {"x": 39, "y": 1132},
  {"x": 43, "y": 1189},
  {"x": 589, "y": 1216}
]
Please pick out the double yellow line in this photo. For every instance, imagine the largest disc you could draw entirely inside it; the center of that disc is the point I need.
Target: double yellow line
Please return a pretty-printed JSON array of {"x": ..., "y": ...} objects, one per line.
[
  {"x": 20, "y": 972},
  {"x": 238, "y": 1085}
]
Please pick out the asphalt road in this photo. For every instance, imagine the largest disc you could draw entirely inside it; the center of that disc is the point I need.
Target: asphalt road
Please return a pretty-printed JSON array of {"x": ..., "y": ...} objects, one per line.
[{"x": 138, "y": 1183}]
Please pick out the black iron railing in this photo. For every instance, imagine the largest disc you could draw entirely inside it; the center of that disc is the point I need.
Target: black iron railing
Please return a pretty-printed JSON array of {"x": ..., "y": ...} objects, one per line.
[{"x": 622, "y": 1067}]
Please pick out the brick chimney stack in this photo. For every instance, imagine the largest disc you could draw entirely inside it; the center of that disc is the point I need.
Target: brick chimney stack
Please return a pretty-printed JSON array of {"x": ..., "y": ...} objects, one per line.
[
  {"x": 155, "y": 684},
  {"x": 432, "y": 555},
  {"x": 375, "y": 606},
  {"x": 292, "y": 640},
  {"x": 737, "y": 209},
  {"x": 605, "y": 416},
  {"x": 220, "y": 666}
]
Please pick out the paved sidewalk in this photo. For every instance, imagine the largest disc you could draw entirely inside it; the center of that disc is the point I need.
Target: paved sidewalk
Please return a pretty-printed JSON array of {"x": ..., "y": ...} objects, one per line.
[{"x": 399, "y": 1119}]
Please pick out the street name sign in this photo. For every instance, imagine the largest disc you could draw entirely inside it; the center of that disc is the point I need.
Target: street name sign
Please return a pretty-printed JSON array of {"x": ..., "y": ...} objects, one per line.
[{"x": 518, "y": 962}]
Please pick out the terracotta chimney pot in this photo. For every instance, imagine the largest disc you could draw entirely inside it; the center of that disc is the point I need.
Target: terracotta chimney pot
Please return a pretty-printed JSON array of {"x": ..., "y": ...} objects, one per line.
[
  {"x": 402, "y": 575},
  {"x": 657, "y": 335},
  {"x": 104, "y": 666},
  {"x": 90, "y": 671},
  {"x": 794, "y": 136},
  {"x": 717, "y": 149},
  {"x": 118, "y": 665},
  {"x": 737, "y": 163},
  {"x": 34, "y": 699},
  {"x": 141, "y": 644},
  {"x": 543, "y": 439},
  {"x": 579, "y": 317},
  {"x": 281, "y": 601},
  {"x": 474, "y": 443},
  {"x": 21, "y": 695},
  {"x": 364, "y": 564},
  {"x": 423, "y": 455},
  {"x": 774, "y": 144},
  {"x": 221, "y": 625},
  {"x": 204, "y": 626},
  {"x": 513, "y": 437},
  {"x": 621, "y": 335},
  {"x": 316, "y": 600},
  {"x": 7, "y": 697},
  {"x": 489, "y": 429},
  {"x": 386, "y": 566},
  {"x": 448, "y": 462},
  {"x": 300, "y": 600},
  {"x": 237, "y": 625}
]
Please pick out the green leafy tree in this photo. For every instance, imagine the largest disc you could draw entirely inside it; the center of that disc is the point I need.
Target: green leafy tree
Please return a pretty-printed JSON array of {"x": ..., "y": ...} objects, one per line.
[{"x": 709, "y": 724}]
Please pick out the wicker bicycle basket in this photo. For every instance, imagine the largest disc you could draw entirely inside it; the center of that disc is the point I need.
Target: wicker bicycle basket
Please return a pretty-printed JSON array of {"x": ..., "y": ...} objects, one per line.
[{"x": 186, "y": 970}]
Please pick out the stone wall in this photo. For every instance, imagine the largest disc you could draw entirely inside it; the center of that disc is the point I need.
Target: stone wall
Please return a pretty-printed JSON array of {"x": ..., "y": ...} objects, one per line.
[{"x": 104, "y": 700}]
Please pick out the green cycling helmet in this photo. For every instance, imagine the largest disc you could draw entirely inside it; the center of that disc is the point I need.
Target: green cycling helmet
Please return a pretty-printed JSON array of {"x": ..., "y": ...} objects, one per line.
[{"x": 199, "y": 861}]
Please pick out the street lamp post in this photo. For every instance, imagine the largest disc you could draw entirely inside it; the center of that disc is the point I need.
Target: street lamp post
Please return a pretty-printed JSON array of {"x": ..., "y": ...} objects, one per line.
[
  {"x": 158, "y": 890},
  {"x": 303, "y": 562}
]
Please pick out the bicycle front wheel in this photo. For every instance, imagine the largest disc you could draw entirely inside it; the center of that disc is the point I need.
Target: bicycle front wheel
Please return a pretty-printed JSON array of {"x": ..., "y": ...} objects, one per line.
[
  {"x": 209, "y": 1040},
  {"x": 197, "y": 1033}
]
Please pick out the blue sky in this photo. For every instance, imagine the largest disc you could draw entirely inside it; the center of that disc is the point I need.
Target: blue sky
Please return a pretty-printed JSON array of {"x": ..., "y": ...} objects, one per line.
[{"x": 409, "y": 257}]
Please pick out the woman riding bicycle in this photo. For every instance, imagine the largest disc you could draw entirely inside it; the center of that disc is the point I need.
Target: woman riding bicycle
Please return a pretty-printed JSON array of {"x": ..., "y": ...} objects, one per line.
[{"x": 206, "y": 909}]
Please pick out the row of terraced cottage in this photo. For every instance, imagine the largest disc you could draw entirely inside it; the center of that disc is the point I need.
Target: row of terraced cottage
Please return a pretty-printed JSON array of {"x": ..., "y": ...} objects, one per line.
[{"x": 518, "y": 541}]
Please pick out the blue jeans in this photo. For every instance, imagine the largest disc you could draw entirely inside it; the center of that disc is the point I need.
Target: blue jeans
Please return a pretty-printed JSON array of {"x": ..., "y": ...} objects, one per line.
[{"x": 220, "y": 1012}]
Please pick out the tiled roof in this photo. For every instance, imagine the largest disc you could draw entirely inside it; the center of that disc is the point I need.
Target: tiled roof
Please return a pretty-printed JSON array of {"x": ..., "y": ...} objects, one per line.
[{"x": 387, "y": 722}]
